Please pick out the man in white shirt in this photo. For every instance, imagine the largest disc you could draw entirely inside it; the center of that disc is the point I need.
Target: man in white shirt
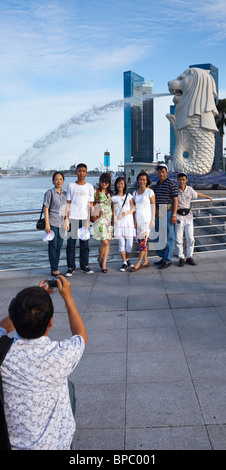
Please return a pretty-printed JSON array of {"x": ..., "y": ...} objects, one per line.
[
  {"x": 80, "y": 197},
  {"x": 184, "y": 223},
  {"x": 35, "y": 370}
]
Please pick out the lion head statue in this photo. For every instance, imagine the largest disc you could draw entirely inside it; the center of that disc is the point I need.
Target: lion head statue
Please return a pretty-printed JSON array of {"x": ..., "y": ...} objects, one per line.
[{"x": 194, "y": 94}]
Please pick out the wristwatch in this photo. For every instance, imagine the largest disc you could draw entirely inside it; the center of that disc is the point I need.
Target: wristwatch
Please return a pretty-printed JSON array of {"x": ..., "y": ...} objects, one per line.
[{"x": 174, "y": 215}]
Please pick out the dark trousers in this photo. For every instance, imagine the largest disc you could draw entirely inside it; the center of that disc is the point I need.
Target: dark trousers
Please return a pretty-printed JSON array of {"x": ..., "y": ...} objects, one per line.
[
  {"x": 71, "y": 244},
  {"x": 54, "y": 249}
]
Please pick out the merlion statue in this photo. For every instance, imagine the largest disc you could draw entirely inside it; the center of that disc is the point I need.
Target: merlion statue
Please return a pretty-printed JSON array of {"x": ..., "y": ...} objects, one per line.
[{"x": 194, "y": 124}]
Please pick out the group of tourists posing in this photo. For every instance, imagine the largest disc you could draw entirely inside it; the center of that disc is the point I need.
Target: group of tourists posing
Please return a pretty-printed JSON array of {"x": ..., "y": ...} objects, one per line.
[{"x": 120, "y": 215}]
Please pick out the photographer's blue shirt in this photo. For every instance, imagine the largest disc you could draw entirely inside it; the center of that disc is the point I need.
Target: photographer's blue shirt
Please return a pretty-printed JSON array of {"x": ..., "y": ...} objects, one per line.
[{"x": 36, "y": 398}]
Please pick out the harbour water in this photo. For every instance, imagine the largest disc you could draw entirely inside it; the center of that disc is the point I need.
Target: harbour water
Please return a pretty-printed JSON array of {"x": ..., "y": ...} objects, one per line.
[{"x": 26, "y": 193}]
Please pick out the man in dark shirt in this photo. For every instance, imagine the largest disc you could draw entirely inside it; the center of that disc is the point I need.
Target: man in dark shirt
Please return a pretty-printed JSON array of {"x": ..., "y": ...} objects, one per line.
[{"x": 166, "y": 192}]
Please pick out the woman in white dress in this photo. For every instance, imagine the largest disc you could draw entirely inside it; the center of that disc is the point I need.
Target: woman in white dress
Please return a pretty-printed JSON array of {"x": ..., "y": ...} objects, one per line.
[
  {"x": 144, "y": 218},
  {"x": 123, "y": 221}
]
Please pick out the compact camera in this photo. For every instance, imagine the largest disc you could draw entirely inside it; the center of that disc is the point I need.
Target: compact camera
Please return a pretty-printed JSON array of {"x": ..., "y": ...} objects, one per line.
[{"x": 52, "y": 282}]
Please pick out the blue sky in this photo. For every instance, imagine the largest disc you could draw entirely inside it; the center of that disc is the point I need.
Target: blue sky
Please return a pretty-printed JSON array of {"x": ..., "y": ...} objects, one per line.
[{"x": 61, "y": 58}]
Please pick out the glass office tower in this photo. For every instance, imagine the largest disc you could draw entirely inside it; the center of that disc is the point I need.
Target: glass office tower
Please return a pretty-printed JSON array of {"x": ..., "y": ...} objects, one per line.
[{"x": 138, "y": 119}]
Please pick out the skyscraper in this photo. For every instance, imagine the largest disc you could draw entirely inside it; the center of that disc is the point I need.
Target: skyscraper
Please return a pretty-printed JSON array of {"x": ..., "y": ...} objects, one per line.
[{"x": 138, "y": 119}]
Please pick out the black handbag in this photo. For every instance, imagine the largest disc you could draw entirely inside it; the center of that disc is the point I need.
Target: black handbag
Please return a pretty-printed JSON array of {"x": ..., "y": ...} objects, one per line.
[
  {"x": 5, "y": 343},
  {"x": 40, "y": 225},
  {"x": 183, "y": 211}
]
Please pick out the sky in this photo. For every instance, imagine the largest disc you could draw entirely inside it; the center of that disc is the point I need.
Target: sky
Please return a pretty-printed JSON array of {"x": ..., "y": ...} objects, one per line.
[{"x": 62, "y": 65}]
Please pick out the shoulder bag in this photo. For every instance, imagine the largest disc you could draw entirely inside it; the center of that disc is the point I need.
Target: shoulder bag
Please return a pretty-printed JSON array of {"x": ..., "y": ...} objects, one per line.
[{"x": 40, "y": 225}]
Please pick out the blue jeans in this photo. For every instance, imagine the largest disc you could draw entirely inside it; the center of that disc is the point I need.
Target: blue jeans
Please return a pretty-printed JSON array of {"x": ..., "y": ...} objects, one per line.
[
  {"x": 71, "y": 244},
  {"x": 54, "y": 249},
  {"x": 167, "y": 253}
]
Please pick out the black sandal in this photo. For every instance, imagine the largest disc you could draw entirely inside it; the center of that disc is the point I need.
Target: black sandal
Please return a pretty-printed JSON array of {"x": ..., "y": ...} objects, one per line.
[{"x": 104, "y": 270}]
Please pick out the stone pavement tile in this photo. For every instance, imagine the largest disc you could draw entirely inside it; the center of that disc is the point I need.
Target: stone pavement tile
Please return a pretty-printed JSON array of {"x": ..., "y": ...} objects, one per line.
[
  {"x": 114, "y": 279},
  {"x": 81, "y": 279},
  {"x": 153, "y": 287},
  {"x": 221, "y": 310},
  {"x": 162, "y": 404},
  {"x": 189, "y": 300},
  {"x": 105, "y": 320},
  {"x": 196, "y": 316},
  {"x": 217, "y": 299},
  {"x": 211, "y": 396},
  {"x": 213, "y": 288},
  {"x": 107, "y": 299},
  {"x": 100, "y": 405},
  {"x": 157, "y": 366},
  {"x": 203, "y": 338},
  {"x": 209, "y": 277},
  {"x": 153, "y": 339},
  {"x": 98, "y": 439},
  {"x": 207, "y": 364},
  {"x": 61, "y": 329},
  {"x": 181, "y": 283},
  {"x": 203, "y": 266},
  {"x": 222, "y": 265},
  {"x": 100, "y": 369},
  {"x": 145, "y": 283},
  {"x": 217, "y": 435},
  {"x": 4, "y": 304},
  {"x": 149, "y": 302},
  {"x": 150, "y": 318},
  {"x": 168, "y": 438},
  {"x": 80, "y": 297},
  {"x": 106, "y": 341}
]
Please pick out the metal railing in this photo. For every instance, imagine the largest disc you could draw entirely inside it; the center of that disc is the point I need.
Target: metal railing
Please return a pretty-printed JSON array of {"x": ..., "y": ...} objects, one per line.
[
  {"x": 209, "y": 224},
  {"x": 23, "y": 248}
]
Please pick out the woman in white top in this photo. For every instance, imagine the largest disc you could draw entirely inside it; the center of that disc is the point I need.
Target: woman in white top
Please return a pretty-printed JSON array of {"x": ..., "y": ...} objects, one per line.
[
  {"x": 144, "y": 219},
  {"x": 123, "y": 221}
]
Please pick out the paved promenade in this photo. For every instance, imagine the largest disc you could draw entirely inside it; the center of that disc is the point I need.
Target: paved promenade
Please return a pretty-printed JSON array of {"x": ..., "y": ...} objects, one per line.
[{"x": 153, "y": 375}]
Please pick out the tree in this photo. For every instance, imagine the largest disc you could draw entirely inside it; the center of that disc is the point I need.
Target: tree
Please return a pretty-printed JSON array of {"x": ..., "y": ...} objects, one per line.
[{"x": 221, "y": 120}]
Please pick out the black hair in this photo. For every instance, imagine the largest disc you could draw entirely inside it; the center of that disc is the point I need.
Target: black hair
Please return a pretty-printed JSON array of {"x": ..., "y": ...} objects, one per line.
[
  {"x": 31, "y": 311},
  {"x": 143, "y": 173},
  {"x": 182, "y": 174},
  {"x": 56, "y": 173},
  {"x": 81, "y": 165},
  {"x": 120, "y": 178},
  {"x": 105, "y": 178}
]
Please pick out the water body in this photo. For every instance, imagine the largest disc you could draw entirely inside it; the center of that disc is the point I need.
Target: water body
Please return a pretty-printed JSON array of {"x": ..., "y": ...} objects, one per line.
[
  {"x": 26, "y": 193},
  {"x": 71, "y": 127}
]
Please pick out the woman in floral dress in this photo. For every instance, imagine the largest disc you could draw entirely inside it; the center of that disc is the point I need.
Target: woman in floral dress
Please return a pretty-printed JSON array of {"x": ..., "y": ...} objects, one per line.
[{"x": 103, "y": 225}]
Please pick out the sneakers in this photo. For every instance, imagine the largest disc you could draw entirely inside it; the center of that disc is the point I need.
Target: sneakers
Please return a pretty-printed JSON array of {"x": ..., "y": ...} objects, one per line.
[
  {"x": 191, "y": 261},
  {"x": 87, "y": 270},
  {"x": 124, "y": 267},
  {"x": 130, "y": 265},
  {"x": 181, "y": 262},
  {"x": 165, "y": 264},
  {"x": 69, "y": 272}
]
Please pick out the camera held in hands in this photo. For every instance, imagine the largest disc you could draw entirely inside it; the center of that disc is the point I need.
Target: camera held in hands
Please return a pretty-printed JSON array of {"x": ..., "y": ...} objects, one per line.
[{"x": 52, "y": 282}]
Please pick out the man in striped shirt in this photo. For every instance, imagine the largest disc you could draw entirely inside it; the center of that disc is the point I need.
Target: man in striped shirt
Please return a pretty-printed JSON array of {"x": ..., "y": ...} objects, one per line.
[{"x": 166, "y": 192}]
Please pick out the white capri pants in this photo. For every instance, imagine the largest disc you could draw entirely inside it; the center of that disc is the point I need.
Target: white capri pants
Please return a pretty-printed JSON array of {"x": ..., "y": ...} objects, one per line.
[
  {"x": 185, "y": 226},
  {"x": 125, "y": 244}
]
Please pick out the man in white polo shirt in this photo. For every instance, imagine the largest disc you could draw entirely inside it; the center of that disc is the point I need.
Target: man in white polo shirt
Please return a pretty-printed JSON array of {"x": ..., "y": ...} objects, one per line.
[{"x": 184, "y": 223}]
